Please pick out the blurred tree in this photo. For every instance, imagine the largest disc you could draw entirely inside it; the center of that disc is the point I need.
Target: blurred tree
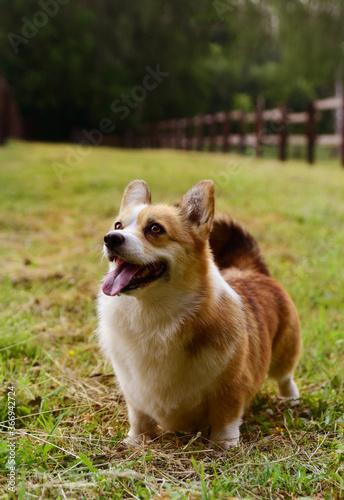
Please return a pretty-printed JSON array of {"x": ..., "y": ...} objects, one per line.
[
  {"x": 290, "y": 51},
  {"x": 47, "y": 59},
  {"x": 240, "y": 41},
  {"x": 69, "y": 70},
  {"x": 73, "y": 63},
  {"x": 310, "y": 34}
]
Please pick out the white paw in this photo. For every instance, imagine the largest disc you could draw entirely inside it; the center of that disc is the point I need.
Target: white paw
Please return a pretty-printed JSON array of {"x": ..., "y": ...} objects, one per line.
[
  {"x": 227, "y": 437},
  {"x": 132, "y": 442},
  {"x": 288, "y": 390},
  {"x": 291, "y": 401},
  {"x": 227, "y": 444}
]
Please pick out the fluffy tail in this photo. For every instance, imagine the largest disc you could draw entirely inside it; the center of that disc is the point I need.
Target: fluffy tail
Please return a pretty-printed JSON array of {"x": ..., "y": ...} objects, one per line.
[{"x": 233, "y": 246}]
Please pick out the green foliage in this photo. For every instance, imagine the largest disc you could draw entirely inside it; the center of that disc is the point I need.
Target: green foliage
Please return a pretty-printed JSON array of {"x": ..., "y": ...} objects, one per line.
[
  {"x": 243, "y": 102},
  {"x": 70, "y": 70},
  {"x": 312, "y": 38},
  {"x": 48, "y": 70},
  {"x": 66, "y": 72}
]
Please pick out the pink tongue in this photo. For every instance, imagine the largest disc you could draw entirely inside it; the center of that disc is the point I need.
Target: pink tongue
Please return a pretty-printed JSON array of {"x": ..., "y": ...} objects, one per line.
[{"x": 116, "y": 280}]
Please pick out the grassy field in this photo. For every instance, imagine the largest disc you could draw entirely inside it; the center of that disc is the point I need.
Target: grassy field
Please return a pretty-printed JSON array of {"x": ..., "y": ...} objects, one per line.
[{"x": 70, "y": 415}]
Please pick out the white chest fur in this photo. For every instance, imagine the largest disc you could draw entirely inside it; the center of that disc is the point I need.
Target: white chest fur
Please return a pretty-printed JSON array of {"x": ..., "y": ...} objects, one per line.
[{"x": 151, "y": 361}]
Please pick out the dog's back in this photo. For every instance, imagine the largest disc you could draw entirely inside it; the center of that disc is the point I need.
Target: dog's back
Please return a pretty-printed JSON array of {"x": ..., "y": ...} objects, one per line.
[{"x": 238, "y": 256}]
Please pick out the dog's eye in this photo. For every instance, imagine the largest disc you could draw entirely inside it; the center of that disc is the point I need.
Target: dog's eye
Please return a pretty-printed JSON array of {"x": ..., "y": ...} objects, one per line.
[
  {"x": 118, "y": 225},
  {"x": 155, "y": 228}
]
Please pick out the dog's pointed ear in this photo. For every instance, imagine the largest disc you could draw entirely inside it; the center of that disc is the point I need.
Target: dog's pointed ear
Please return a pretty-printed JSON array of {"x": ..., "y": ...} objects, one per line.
[
  {"x": 135, "y": 193},
  {"x": 198, "y": 205}
]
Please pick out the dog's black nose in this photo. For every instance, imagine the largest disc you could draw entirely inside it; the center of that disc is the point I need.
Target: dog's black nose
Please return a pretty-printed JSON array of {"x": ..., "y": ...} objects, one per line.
[{"x": 113, "y": 240}]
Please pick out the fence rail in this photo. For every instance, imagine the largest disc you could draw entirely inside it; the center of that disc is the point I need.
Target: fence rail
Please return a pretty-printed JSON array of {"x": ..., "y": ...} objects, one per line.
[{"x": 270, "y": 128}]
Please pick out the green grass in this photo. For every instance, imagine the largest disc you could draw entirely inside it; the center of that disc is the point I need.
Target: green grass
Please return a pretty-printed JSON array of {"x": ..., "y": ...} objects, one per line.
[{"x": 70, "y": 414}]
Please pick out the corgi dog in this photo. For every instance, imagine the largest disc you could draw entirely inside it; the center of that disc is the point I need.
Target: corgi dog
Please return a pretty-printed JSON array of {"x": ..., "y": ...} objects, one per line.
[{"x": 190, "y": 317}]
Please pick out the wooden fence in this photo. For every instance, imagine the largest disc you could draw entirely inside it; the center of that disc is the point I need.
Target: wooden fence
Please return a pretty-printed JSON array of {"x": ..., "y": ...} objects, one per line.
[
  {"x": 10, "y": 119},
  {"x": 225, "y": 130}
]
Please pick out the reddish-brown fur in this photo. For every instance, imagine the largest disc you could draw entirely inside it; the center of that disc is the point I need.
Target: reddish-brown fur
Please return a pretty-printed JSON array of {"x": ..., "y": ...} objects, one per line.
[
  {"x": 249, "y": 334},
  {"x": 269, "y": 328}
]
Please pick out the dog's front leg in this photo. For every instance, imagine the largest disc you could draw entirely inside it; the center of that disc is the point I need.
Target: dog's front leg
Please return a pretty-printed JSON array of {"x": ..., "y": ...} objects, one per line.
[
  {"x": 228, "y": 436},
  {"x": 225, "y": 424},
  {"x": 141, "y": 426}
]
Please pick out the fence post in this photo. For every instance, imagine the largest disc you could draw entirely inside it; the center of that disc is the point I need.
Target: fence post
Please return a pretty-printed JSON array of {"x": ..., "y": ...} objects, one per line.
[
  {"x": 159, "y": 134},
  {"x": 259, "y": 125},
  {"x": 150, "y": 135},
  {"x": 200, "y": 133},
  {"x": 138, "y": 135},
  {"x": 179, "y": 133},
  {"x": 162, "y": 130},
  {"x": 131, "y": 138},
  {"x": 195, "y": 132},
  {"x": 225, "y": 133},
  {"x": 147, "y": 136},
  {"x": 171, "y": 133},
  {"x": 166, "y": 133},
  {"x": 155, "y": 133},
  {"x": 148, "y": 143},
  {"x": 176, "y": 132},
  {"x": 311, "y": 133},
  {"x": 342, "y": 140},
  {"x": 188, "y": 133},
  {"x": 184, "y": 137},
  {"x": 212, "y": 133},
  {"x": 242, "y": 143},
  {"x": 283, "y": 133}
]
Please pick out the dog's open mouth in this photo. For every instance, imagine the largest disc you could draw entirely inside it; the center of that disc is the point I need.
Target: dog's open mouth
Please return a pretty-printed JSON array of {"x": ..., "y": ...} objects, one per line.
[{"x": 128, "y": 276}]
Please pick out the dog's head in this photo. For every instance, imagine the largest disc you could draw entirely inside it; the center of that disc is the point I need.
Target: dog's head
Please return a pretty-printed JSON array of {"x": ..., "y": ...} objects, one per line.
[{"x": 156, "y": 244}]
